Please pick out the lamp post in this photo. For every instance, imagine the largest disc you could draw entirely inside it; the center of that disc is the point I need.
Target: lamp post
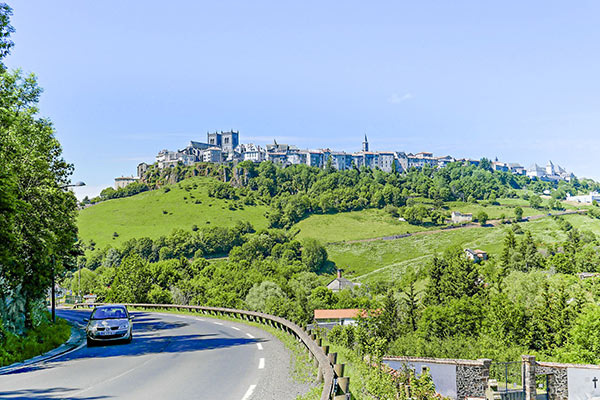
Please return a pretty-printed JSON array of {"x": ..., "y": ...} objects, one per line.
[{"x": 53, "y": 290}]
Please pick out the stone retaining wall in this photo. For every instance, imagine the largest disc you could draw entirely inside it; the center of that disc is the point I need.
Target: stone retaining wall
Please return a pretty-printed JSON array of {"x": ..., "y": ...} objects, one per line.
[{"x": 457, "y": 379}]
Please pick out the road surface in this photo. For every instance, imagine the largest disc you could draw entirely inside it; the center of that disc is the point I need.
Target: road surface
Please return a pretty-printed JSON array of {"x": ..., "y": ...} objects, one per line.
[{"x": 170, "y": 357}]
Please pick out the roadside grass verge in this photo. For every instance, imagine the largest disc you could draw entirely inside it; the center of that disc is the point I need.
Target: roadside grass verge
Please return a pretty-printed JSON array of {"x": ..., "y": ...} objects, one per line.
[{"x": 45, "y": 337}]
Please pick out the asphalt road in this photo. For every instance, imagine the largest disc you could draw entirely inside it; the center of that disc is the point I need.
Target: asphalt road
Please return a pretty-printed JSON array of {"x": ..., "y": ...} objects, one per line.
[{"x": 170, "y": 357}]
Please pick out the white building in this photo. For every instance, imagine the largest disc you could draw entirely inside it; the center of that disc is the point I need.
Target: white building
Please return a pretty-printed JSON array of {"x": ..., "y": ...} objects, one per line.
[
  {"x": 252, "y": 152},
  {"x": 458, "y": 217},
  {"x": 122, "y": 181},
  {"x": 213, "y": 155},
  {"x": 588, "y": 198},
  {"x": 166, "y": 158}
]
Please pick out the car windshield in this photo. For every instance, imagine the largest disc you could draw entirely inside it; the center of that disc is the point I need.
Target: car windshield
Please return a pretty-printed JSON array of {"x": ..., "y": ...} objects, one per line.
[{"x": 109, "y": 313}]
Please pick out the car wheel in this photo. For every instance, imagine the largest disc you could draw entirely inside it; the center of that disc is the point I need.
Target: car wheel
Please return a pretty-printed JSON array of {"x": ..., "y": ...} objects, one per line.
[
  {"x": 129, "y": 339},
  {"x": 90, "y": 343}
]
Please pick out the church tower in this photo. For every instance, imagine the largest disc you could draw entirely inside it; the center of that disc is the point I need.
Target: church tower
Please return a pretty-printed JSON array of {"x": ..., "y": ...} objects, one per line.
[{"x": 365, "y": 144}]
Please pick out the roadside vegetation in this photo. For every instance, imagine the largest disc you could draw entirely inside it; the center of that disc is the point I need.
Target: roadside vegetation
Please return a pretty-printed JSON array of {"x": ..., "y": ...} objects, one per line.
[
  {"x": 44, "y": 337},
  {"x": 37, "y": 214}
]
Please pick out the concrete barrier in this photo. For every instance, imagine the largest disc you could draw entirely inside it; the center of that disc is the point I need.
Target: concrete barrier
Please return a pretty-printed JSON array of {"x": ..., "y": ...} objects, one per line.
[{"x": 326, "y": 367}]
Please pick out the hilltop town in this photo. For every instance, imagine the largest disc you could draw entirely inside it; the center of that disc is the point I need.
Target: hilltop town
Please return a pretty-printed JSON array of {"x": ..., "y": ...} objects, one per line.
[{"x": 225, "y": 147}]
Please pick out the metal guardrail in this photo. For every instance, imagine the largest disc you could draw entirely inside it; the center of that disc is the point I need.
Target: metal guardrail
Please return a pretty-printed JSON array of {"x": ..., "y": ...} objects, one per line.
[{"x": 331, "y": 380}]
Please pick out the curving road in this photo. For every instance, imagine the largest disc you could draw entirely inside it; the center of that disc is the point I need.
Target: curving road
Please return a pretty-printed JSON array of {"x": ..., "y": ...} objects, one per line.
[{"x": 170, "y": 357}]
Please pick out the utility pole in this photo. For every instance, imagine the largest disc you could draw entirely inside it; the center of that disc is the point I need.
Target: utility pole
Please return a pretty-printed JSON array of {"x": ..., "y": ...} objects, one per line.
[
  {"x": 79, "y": 287},
  {"x": 53, "y": 295}
]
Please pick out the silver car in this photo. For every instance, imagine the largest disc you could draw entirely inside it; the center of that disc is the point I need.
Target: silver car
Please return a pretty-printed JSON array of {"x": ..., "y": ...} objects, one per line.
[{"x": 109, "y": 323}]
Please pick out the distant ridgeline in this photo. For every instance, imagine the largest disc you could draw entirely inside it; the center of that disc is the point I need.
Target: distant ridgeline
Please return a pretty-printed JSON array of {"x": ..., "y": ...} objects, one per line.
[{"x": 296, "y": 191}]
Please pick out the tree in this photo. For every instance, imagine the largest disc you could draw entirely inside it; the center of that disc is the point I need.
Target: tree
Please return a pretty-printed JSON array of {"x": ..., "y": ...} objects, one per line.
[
  {"x": 482, "y": 217},
  {"x": 314, "y": 254},
  {"x": 415, "y": 214},
  {"x": 535, "y": 201},
  {"x": 261, "y": 293},
  {"x": 132, "y": 281},
  {"x": 38, "y": 215},
  {"x": 518, "y": 213},
  {"x": 5, "y": 31}
]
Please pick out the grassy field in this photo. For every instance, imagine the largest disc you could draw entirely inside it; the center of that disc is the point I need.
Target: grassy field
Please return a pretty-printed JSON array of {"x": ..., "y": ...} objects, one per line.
[
  {"x": 388, "y": 259},
  {"x": 374, "y": 223},
  {"x": 157, "y": 213},
  {"x": 354, "y": 225}
]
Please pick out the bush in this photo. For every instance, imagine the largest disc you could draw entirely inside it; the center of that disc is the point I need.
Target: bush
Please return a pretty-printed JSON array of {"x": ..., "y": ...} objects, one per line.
[{"x": 39, "y": 340}]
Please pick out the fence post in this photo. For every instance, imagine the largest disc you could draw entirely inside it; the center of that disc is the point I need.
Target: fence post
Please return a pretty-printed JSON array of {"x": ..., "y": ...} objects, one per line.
[{"x": 530, "y": 385}]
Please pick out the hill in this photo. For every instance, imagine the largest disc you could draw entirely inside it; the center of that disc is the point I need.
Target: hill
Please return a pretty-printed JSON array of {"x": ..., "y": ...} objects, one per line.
[
  {"x": 156, "y": 213},
  {"x": 387, "y": 259}
]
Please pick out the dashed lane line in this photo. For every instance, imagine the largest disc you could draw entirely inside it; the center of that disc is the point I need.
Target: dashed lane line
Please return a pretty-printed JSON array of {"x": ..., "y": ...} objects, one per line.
[
  {"x": 261, "y": 363},
  {"x": 237, "y": 329},
  {"x": 259, "y": 346},
  {"x": 250, "y": 336},
  {"x": 249, "y": 392}
]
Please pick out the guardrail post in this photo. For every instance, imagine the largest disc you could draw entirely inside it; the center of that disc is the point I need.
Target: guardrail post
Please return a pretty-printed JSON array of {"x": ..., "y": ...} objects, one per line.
[
  {"x": 344, "y": 384},
  {"x": 325, "y": 349},
  {"x": 332, "y": 358},
  {"x": 338, "y": 369}
]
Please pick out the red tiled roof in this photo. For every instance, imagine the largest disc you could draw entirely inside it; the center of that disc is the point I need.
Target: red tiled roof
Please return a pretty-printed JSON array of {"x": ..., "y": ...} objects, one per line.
[{"x": 340, "y": 313}]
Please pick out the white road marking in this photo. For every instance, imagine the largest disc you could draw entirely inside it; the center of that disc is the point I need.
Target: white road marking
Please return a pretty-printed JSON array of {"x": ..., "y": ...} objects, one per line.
[
  {"x": 217, "y": 323},
  {"x": 250, "y": 336},
  {"x": 113, "y": 378},
  {"x": 249, "y": 392},
  {"x": 200, "y": 319},
  {"x": 259, "y": 346},
  {"x": 237, "y": 329},
  {"x": 261, "y": 363}
]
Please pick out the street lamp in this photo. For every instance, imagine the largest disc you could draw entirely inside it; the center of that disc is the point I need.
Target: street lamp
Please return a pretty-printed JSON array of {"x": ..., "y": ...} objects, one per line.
[{"x": 53, "y": 291}]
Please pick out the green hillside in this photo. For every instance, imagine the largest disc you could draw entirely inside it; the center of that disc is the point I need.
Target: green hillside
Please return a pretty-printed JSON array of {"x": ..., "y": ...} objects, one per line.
[
  {"x": 353, "y": 225},
  {"x": 376, "y": 223},
  {"x": 158, "y": 212},
  {"x": 388, "y": 259}
]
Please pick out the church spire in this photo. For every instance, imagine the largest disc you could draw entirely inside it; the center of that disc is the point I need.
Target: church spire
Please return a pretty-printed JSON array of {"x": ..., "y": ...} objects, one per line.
[{"x": 365, "y": 145}]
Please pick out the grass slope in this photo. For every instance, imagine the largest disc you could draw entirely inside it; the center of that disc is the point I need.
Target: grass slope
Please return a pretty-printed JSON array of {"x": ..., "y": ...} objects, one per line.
[
  {"x": 387, "y": 260},
  {"x": 354, "y": 225},
  {"x": 143, "y": 214},
  {"x": 374, "y": 223}
]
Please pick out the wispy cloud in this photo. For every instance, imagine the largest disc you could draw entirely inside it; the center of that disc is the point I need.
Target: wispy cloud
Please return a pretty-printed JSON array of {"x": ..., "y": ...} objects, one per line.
[{"x": 395, "y": 98}]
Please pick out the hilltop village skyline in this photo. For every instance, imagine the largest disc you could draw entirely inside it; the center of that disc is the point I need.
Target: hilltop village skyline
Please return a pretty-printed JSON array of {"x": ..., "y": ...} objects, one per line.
[{"x": 226, "y": 147}]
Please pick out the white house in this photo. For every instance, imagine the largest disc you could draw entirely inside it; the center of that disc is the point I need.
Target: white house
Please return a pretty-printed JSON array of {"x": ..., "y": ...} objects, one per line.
[
  {"x": 122, "y": 181},
  {"x": 458, "y": 217},
  {"x": 588, "y": 198},
  {"x": 340, "y": 283}
]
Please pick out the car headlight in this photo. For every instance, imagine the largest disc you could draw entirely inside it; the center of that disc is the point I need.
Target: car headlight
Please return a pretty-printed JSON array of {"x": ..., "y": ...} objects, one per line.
[{"x": 124, "y": 326}]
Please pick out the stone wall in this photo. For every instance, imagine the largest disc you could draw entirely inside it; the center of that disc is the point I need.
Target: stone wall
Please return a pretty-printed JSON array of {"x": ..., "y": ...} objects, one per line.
[
  {"x": 457, "y": 379},
  {"x": 565, "y": 381}
]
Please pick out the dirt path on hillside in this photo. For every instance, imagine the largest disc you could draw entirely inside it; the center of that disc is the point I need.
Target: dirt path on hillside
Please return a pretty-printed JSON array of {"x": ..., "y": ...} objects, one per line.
[{"x": 491, "y": 223}]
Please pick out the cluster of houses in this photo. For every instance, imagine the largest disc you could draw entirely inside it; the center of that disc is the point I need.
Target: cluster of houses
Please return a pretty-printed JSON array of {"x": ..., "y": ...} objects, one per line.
[{"x": 222, "y": 147}]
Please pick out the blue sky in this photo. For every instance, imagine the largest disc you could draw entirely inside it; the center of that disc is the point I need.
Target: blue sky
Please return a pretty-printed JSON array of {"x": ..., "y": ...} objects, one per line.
[{"x": 125, "y": 79}]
